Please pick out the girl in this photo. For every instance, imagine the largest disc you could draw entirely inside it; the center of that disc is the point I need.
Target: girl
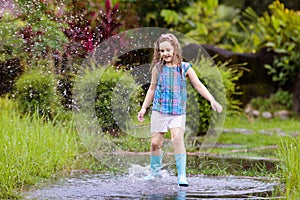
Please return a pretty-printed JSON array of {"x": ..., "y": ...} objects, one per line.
[{"x": 168, "y": 93}]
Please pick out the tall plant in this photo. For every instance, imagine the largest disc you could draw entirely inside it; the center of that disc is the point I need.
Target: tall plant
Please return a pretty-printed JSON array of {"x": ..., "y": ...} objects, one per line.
[
  {"x": 42, "y": 32},
  {"x": 205, "y": 21},
  {"x": 10, "y": 43},
  {"x": 90, "y": 25},
  {"x": 281, "y": 30},
  {"x": 277, "y": 30}
]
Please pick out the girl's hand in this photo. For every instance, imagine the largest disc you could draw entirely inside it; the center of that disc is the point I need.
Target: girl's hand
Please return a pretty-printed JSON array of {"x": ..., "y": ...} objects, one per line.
[
  {"x": 141, "y": 114},
  {"x": 216, "y": 106}
]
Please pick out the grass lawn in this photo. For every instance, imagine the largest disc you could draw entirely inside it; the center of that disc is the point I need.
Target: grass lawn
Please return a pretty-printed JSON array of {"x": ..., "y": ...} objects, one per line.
[
  {"x": 258, "y": 138},
  {"x": 291, "y": 125}
]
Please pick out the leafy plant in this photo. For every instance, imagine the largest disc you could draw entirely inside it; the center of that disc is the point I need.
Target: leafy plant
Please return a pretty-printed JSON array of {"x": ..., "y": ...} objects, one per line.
[
  {"x": 42, "y": 32},
  {"x": 43, "y": 36},
  {"x": 223, "y": 87},
  {"x": 277, "y": 30},
  {"x": 243, "y": 37},
  {"x": 205, "y": 21},
  {"x": 35, "y": 91},
  {"x": 10, "y": 43},
  {"x": 151, "y": 16},
  {"x": 277, "y": 101},
  {"x": 114, "y": 95},
  {"x": 198, "y": 112},
  {"x": 281, "y": 30},
  {"x": 89, "y": 26}
]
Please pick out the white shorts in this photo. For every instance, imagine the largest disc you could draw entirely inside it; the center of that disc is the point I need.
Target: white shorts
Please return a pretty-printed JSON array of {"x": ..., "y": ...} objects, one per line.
[{"x": 160, "y": 123}]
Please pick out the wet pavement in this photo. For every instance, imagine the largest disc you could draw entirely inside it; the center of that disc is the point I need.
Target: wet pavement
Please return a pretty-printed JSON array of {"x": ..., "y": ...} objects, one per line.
[{"x": 133, "y": 186}]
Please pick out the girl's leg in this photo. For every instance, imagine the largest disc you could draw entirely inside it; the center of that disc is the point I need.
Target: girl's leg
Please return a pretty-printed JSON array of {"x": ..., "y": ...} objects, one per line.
[
  {"x": 177, "y": 137},
  {"x": 156, "y": 143},
  {"x": 155, "y": 155}
]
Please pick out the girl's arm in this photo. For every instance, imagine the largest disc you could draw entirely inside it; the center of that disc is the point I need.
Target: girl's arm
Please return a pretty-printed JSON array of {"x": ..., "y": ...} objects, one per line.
[
  {"x": 191, "y": 74},
  {"x": 149, "y": 96}
]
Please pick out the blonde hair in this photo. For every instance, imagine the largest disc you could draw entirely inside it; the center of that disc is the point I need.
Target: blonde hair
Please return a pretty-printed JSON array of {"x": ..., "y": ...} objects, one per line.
[{"x": 157, "y": 60}]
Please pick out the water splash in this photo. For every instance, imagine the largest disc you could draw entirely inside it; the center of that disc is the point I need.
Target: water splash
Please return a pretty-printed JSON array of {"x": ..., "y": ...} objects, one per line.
[{"x": 132, "y": 186}]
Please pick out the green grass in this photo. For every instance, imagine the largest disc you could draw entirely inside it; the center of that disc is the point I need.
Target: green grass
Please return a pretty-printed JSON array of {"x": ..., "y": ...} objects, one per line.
[
  {"x": 290, "y": 125},
  {"x": 264, "y": 133},
  {"x": 288, "y": 151},
  {"x": 249, "y": 141},
  {"x": 32, "y": 149},
  {"x": 289, "y": 154}
]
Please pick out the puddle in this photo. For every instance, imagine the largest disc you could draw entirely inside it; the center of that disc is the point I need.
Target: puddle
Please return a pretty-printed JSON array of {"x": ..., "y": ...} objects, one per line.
[{"x": 133, "y": 186}]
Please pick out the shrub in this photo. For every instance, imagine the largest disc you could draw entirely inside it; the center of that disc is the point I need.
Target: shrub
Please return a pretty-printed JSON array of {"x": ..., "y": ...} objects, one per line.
[
  {"x": 281, "y": 100},
  {"x": 198, "y": 111},
  {"x": 221, "y": 85},
  {"x": 278, "y": 31},
  {"x": 117, "y": 97},
  {"x": 205, "y": 21},
  {"x": 35, "y": 92}
]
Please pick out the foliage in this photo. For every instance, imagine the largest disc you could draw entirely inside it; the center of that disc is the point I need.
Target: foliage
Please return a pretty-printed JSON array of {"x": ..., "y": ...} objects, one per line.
[
  {"x": 220, "y": 85},
  {"x": 57, "y": 31},
  {"x": 242, "y": 37},
  {"x": 10, "y": 45},
  {"x": 281, "y": 100},
  {"x": 230, "y": 75},
  {"x": 277, "y": 30},
  {"x": 116, "y": 99},
  {"x": 198, "y": 112},
  {"x": 35, "y": 91},
  {"x": 151, "y": 17},
  {"x": 205, "y": 21},
  {"x": 42, "y": 33},
  {"x": 289, "y": 168},
  {"x": 198, "y": 108},
  {"x": 90, "y": 25},
  {"x": 32, "y": 149},
  {"x": 281, "y": 31}
]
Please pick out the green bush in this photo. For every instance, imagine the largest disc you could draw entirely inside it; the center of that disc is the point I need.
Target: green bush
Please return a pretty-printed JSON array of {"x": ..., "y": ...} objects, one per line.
[
  {"x": 221, "y": 85},
  {"x": 278, "y": 31},
  {"x": 10, "y": 43},
  {"x": 198, "y": 111},
  {"x": 207, "y": 22},
  {"x": 35, "y": 92},
  {"x": 281, "y": 100},
  {"x": 117, "y": 96}
]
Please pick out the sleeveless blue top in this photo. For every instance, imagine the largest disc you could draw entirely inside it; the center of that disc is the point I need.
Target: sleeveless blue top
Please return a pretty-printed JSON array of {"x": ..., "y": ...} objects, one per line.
[{"x": 170, "y": 95}]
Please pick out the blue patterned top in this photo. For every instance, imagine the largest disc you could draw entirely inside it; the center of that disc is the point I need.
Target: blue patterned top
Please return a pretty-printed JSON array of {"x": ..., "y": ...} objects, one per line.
[{"x": 170, "y": 94}]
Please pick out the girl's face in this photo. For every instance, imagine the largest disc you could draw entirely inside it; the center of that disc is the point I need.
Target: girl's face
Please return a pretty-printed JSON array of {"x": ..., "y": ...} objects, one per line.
[{"x": 166, "y": 52}]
